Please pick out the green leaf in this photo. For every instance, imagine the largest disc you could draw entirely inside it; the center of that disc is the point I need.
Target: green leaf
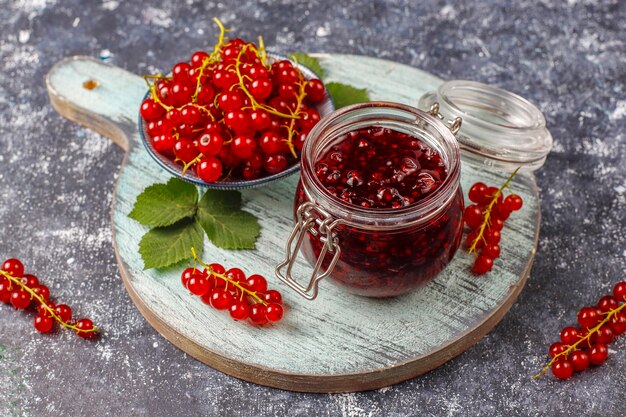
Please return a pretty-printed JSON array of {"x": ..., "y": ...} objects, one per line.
[
  {"x": 311, "y": 63},
  {"x": 165, "y": 204},
  {"x": 345, "y": 95},
  {"x": 226, "y": 225},
  {"x": 165, "y": 246}
]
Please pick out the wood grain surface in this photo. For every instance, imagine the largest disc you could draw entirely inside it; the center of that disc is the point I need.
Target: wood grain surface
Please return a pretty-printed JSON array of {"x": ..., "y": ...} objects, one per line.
[{"x": 339, "y": 342}]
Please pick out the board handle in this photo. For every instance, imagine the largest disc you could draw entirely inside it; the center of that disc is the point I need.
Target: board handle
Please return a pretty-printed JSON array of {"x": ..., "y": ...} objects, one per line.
[{"x": 97, "y": 95}]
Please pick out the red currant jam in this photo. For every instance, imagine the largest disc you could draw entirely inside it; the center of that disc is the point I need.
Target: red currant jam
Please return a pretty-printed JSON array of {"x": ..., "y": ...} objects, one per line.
[{"x": 392, "y": 175}]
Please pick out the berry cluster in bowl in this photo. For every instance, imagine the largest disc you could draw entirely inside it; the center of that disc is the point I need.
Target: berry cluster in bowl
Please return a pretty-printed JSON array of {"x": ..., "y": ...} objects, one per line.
[{"x": 233, "y": 118}]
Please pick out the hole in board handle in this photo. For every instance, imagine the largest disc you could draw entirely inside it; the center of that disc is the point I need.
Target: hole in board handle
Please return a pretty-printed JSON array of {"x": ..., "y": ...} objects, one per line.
[{"x": 91, "y": 84}]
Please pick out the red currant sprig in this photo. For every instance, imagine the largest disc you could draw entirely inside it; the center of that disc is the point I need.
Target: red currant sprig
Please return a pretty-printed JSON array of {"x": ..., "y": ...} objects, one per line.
[
  {"x": 230, "y": 113},
  {"x": 599, "y": 326},
  {"x": 486, "y": 219},
  {"x": 244, "y": 297},
  {"x": 21, "y": 290}
]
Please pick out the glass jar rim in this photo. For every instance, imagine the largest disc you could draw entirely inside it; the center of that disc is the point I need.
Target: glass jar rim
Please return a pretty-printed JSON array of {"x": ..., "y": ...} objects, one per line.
[{"x": 325, "y": 131}]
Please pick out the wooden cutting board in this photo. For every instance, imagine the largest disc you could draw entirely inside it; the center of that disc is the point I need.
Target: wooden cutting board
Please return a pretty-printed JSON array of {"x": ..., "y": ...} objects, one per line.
[{"x": 339, "y": 342}]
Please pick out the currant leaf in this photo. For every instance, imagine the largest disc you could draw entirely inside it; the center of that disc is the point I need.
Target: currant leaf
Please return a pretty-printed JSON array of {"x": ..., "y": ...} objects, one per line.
[
  {"x": 345, "y": 95},
  {"x": 310, "y": 62},
  {"x": 226, "y": 225},
  {"x": 165, "y": 204},
  {"x": 165, "y": 246}
]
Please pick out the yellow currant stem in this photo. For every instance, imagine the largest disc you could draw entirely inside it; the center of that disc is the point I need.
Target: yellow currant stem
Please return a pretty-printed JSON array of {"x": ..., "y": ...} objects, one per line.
[
  {"x": 609, "y": 315},
  {"x": 227, "y": 280},
  {"x": 487, "y": 220},
  {"x": 291, "y": 127},
  {"x": 253, "y": 101},
  {"x": 42, "y": 301},
  {"x": 220, "y": 41},
  {"x": 187, "y": 165},
  {"x": 153, "y": 92},
  {"x": 262, "y": 52}
]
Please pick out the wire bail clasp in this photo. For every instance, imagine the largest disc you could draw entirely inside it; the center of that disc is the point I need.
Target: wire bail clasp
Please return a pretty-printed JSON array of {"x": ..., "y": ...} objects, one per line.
[
  {"x": 310, "y": 219},
  {"x": 454, "y": 125}
]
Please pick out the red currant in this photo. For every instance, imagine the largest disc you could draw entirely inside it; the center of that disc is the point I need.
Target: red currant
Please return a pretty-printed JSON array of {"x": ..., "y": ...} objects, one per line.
[
  {"x": 513, "y": 202},
  {"x": 43, "y": 292},
  {"x": 236, "y": 275},
  {"x": 190, "y": 115},
  {"x": 599, "y": 354},
  {"x": 491, "y": 251},
  {"x": 239, "y": 310},
  {"x": 482, "y": 265},
  {"x": 151, "y": 110},
  {"x": 275, "y": 163},
  {"x": 210, "y": 143},
  {"x": 13, "y": 267},
  {"x": 274, "y": 312},
  {"x": 604, "y": 335},
  {"x": 271, "y": 143},
  {"x": 272, "y": 296},
  {"x": 185, "y": 150},
  {"x": 607, "y": 303},
  {"x": 477, "y": 193},
  {"x": 580, "y": 360},
  {"x": 221, "y": 300},
  {"x": 64, "y": 312},
  {"x": 619, "y": 291},
  {"x": 209, "y": 169},
  {"x": 257, "y": 283},
  {"x": 164, "y": 144},
  {"x": 569, "y": 335},
  {"x": 473, "y": 216},
  {"x": 492, "y": 237},
  {"x": 315, "y": 90},
  {"x": 556, "y": 348},
  {"x": 243, "y": 146},
  {"x": 261, "y": 88},
  {"x": 198, "y": 58},
  {"x": 562, "y": 369},
  {"x": 237, "y": 120},
  {"x": 588, "y": 317},
  {"x": 258, "y": 314},
  {"x": 84, "y": 327},
  {"x": 198, "y": 285},
  {"x": 618, "y": 323},
  {"x": 43, "y": 324},
  {"x": 20, "y": 299},
  {"x": 180, "y": 71}
]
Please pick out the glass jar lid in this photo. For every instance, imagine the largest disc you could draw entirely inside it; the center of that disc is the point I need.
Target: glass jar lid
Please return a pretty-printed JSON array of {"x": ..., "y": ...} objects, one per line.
[{"x": 500, "y": 129}]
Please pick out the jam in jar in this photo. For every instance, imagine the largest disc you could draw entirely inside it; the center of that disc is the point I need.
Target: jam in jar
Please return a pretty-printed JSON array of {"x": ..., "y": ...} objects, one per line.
[{"x": 378, "y": 206}]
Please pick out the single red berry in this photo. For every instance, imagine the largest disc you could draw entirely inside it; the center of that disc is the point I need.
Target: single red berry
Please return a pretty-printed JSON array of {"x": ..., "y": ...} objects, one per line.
[
  {"x": 239, "y": 310},
  {"x": 471, "y": 238},
  {"x": 580, "y": 360},
  {"x": 482, "y": 265},
  {"x": 259, "y": 119},
  {"x": 556, "y": 348},
  {"x": 274, "y": 312},
  {"x": 261, "y": 88},
  {"x": 209, "y": 169},
  {"x": 271, "y": 143},
  {"x": 237, "y": 121},
  {"x": 198, "y": 285},
  {"x": 562, "y": 369},
  {"x": 221, "y": 300},
  {"x": 243, "y": 146},
  {"x": 607, "y": 303},
  {"x": 598, "y": 354},
  {"x": 229, "y": 101},
  {"x": 190, "y": 115},
  {"x": 308, "y": 119},
  {"x": 258, "y": 314},
  {"x": 198, "y": 58},
  {"x": 180, "y": 71},
  {"x": 151, "y": 110},
  {"x": 44, "y": 311},
  {"x": 215, "y": 268},
  {"x": 84, "y": 329},
  {"x": 473, "y": 216},
  {"x": 513, "y": 202},
  {"x": 64, "y": 312},
  {"x": 20, "y": 299},
  {"x": 496, "y": 223},
  {"x": 315, "y": 90},
  {"x": 582, "y": 334},
  {"x": 603, "y": 335},
  {"x": 164, "y": 144},
  {"x": 619, "y": 291},
  {"x": 273, "y": 296},
  {"x": 43, "y": 292},
  {"x": 257, "y": 283},
  {"x": 500, "y": 212},
  {"x": 492, "y": 237},
  {"x": 588, "y": 317},
  {"x": 30, "y": 281},
  {"x": 185, "y": 150},
  {"x": 187, "y": 274},
  {"x": 43, "y": 324},
  {"x": 477, "y": 193},
  {"x": 569, "y": 335},
  {"x": 206, "y": 94},
  {"x": 618, "y": 323},
  {"x": 236, "y": 275},
  {"x": 5, "y": 290},
  {"x": 13, "y": 267},
  {"x": 491, "y": 251},
  {"x": 275, "y": 163}
]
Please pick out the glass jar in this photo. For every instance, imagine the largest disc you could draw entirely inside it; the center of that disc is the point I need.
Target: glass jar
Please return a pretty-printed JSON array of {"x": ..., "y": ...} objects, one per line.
[
  {"x": 375, "y": 252},
  {"x": 501, "y": 130}
]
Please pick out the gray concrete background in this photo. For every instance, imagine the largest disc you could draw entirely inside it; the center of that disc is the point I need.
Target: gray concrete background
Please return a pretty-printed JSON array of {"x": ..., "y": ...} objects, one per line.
[{"x": 56, "y": 180}]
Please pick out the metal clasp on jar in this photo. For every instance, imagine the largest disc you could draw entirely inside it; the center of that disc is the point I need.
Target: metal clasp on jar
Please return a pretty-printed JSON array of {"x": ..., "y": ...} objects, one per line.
[
  {"x": 454, "y": 125},
  {"x": 310, "y": 219}
]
